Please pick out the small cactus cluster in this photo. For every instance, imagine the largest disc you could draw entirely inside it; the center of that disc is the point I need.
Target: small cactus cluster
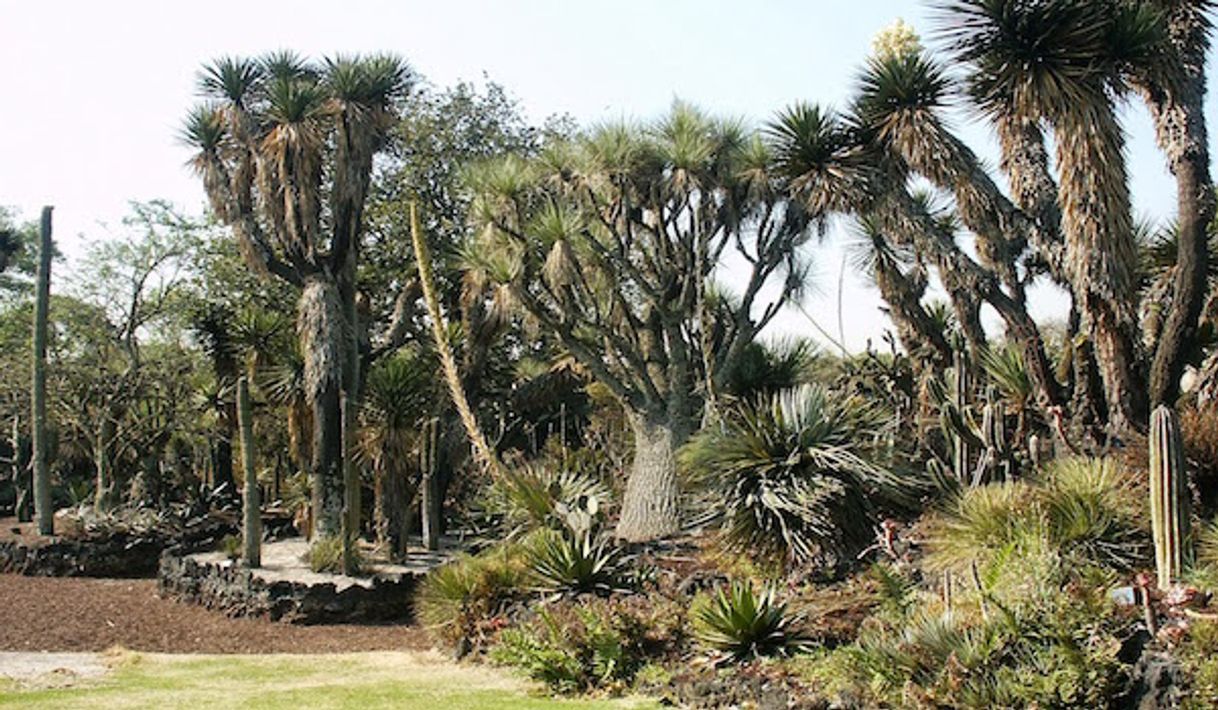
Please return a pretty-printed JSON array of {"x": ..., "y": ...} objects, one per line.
[
  {"x": 981, "y": 451},
  {"x": 1168, "y": 496}
]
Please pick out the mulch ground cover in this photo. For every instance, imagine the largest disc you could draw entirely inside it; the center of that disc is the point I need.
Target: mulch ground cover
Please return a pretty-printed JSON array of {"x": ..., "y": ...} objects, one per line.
[{"x": 76, "y": 614}]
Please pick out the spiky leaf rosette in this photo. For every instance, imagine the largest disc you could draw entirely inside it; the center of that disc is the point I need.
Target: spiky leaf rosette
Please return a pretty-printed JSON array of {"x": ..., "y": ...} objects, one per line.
[{"x": 800, "y": 476}]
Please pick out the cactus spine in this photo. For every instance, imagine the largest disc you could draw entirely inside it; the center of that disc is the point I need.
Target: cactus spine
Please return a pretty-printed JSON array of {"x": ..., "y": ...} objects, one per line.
[
  {"x": 1168, "y": 496},
  {"x": 251, "y": 528}
]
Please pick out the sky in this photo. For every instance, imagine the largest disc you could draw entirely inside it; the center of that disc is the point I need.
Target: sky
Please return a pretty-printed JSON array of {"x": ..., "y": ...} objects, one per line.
[{"x": 94, "y": 92}]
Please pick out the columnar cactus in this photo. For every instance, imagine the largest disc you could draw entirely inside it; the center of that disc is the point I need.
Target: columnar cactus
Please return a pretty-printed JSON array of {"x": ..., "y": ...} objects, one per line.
[
  {"x": 1168, "y": 496},
  {"x": 44, "y": 507},
  {"x": 251, "y": 528},
  {"x": 960, "y": 451}
]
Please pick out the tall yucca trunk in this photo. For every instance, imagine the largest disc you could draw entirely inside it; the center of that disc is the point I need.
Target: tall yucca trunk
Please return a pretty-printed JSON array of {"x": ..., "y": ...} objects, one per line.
[
  {"x": 38, "y": 399},
  {"x": 1177, "y": 108},
  {"x": 1101, "y": 254},
  {"x": 482, "y": 450},
  {"x": 323, "y": 345}
]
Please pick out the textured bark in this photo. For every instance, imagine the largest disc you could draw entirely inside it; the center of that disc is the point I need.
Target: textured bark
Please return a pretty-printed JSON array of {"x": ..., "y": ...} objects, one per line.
[
  {"x": 651, "y": 504},
  {"x": 456, "y": 388},
  {"x": 104, "y": 492},
  {"x": 322, "y": 342},
  {"x": 251, "y": 521},
  {"x": 1177, "y": 108},
  {"x": 38, "y": 399},
  {"x": 1100, "y": 254}
]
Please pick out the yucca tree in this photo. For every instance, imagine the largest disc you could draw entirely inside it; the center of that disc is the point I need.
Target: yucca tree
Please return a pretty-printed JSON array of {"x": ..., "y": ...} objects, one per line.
[
  {"x": 213, "y": 326},
  {"x": 399, "y": 396},
  {"x": 1174, "y": 90},
  {"x": 1065, "y": 64},
  {"x": 285, "y": 151},
  {"x": 609, "y": 242},
  {"x": 854, "y": 165}
]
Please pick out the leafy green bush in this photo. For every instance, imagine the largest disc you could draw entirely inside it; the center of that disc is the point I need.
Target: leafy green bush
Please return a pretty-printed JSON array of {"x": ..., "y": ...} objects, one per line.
[
  {"x": 1060, "y": 654},
  {"x": 745, "y": 623},
  {"x": 595, "y": 644},
  {"x": 231, "y": 546},
  {"x": 456, "y": 599},
  {"x": 326, "y": 555},
  {"x": 1084, "y": 511},
  {"x": 798, "y": 477}
]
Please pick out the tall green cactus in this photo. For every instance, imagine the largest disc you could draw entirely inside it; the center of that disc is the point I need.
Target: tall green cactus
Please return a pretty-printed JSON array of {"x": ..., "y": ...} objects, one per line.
[
  {"x": 1168, "y": 496},
  {"x": 960, "y": 450},
  {"x": 251, "y": 528},
  {"x": 43, "y": 505}
]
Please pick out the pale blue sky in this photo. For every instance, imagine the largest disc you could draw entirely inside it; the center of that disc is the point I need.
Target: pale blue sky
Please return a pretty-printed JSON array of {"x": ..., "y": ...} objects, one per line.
[{"x": 94, "y": 91}]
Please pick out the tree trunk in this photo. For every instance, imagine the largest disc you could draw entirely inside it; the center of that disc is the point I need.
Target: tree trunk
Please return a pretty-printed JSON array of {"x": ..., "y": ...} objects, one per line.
[
  {"x": 395, "y": 505},
  {"x": 251, "y": 521},
  {"x": 21, "y": 475},
  {"x": 651, "y": 505},
  {"x": 1179, "y": 116},
  {"x": 38, "y": 403},
  {"x": 104, "y": 493},
  {"x": 323, "y": 345},
  {"x": 223, "y": 468}
]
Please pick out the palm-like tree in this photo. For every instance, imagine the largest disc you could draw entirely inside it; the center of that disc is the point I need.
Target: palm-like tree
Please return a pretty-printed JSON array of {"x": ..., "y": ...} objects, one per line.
[
  {"x": 399, "y": 396},
  {"x": 285, "y": 152},
  {"x": 1066, "y": 63},
  {"x": 608, "y": 241}
]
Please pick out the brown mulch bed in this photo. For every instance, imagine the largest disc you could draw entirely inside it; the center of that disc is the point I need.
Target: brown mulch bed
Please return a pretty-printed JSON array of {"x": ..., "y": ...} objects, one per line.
[{"x": 75, "y": 614}]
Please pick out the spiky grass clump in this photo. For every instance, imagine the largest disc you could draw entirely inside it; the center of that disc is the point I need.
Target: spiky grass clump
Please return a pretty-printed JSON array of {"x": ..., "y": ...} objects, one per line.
[
  {"x": 797, "y": 477},
  {"x": 746, "y": 623},
  {"x": 1086, "y": 511},
  {"x": 326, "y": 556},
  {"x": 454, "y": 598}
]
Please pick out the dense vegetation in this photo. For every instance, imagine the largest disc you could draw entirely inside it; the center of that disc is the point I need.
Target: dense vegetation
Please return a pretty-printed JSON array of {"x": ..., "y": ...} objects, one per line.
[{"x": 452, "y": 320}]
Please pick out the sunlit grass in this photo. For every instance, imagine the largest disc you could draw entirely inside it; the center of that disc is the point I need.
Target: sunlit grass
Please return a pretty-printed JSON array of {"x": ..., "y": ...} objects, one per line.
[{"x": 364, "y": 681}]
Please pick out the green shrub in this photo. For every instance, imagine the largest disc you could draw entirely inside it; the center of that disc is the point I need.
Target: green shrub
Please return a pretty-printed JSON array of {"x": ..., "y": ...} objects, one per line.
[
  {"x": 456, "y": 599},
  {"x": 231, "y": 546},
  {"x": 1083, "y": 512},
  {"x": 595, "y": 644},
  {"x": 528, "y": 497},
  {"x": 326, "y": 556},
  {"x": 798, "y": 477},
  {"x": 1060, "y": 655},
  {"x": 745, "y": 623}
]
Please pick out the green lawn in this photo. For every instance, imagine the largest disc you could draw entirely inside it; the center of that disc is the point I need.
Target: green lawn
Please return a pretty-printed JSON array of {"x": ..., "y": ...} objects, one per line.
[{"x": 363, "y": 681}]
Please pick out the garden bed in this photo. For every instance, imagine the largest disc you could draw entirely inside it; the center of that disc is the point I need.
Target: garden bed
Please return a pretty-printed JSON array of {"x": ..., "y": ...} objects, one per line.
[
  {"x": 122, "y": 554},
  {"x": 285, "y": 589}
]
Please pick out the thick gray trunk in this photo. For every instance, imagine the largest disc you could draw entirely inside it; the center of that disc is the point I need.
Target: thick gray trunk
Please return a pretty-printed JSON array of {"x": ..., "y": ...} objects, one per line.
[
  {"x": 651, "y": 505},
  {"x": 323, "y": 345}
]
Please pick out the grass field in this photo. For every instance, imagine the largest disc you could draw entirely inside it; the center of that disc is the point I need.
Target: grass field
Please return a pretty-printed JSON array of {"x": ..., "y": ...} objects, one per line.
[{"x": 363, "y": 681}]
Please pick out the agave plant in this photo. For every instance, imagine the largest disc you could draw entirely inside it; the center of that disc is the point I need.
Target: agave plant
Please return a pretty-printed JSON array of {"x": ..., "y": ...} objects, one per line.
[
  {"x": 797, "y": 477},
  {"x": 746, "y": 623},
  {"x": 528, "y": 497},
  {"x": 568, "y": 562}
]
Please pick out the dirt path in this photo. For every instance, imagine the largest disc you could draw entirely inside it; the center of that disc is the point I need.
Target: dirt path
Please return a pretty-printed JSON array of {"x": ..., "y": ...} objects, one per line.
[{"x": 72, "y": 614}]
